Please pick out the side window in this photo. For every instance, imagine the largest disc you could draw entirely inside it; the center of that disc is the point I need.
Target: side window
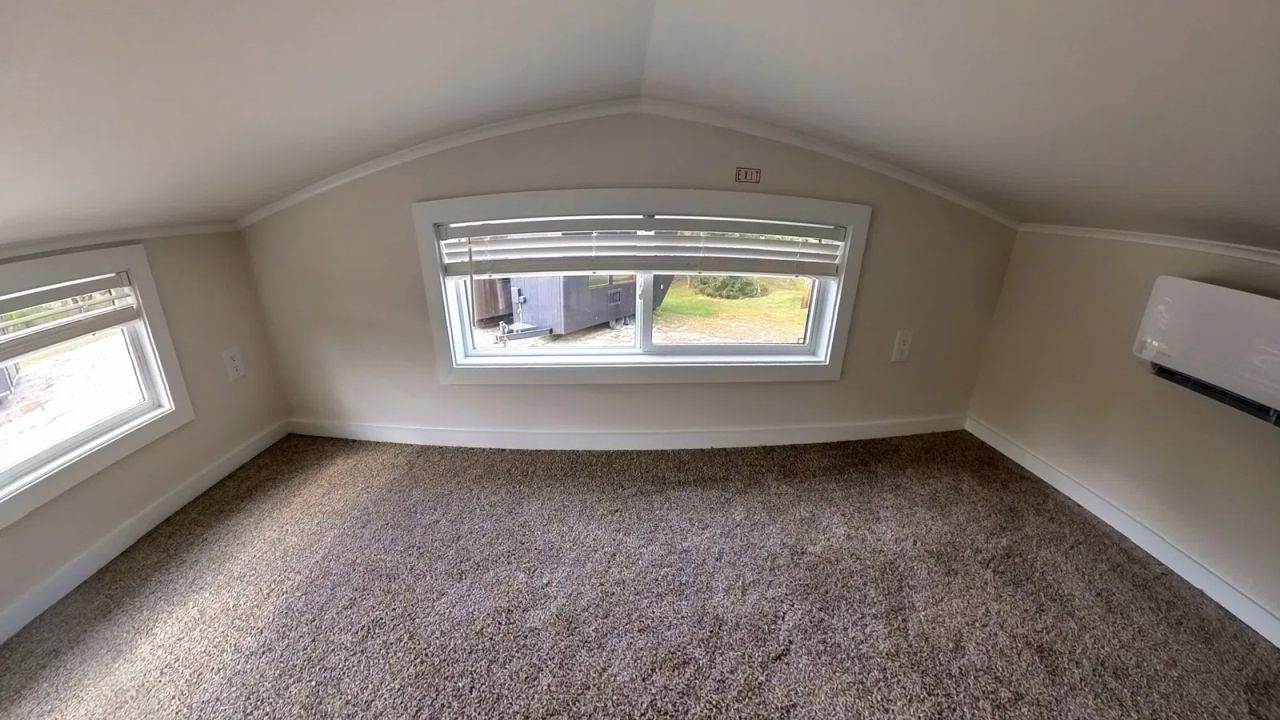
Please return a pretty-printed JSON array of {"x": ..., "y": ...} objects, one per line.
[{"x": 81, "y": 364}]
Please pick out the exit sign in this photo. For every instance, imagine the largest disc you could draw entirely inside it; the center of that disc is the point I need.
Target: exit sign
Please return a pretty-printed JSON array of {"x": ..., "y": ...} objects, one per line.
[{"x": 747, "y": 175}]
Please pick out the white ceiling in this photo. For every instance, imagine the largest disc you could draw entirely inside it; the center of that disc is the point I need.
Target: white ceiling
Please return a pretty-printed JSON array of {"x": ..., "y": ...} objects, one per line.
[
  {"x": 118, "y": 113},
  {"x": 1151, "y": 115}
]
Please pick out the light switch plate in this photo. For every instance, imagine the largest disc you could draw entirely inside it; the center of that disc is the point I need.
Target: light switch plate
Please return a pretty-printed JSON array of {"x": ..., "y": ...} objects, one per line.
[
  {"x": 234, "y": 365},
  {"x": 902, "y": 346}
]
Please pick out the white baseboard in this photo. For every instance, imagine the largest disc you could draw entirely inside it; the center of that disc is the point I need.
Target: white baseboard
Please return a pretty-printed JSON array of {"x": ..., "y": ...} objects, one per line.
[
  {"x": 1234, "y": 600},
  {"x": 532, "y": 439},
  {"x": 67, "y": 577}
]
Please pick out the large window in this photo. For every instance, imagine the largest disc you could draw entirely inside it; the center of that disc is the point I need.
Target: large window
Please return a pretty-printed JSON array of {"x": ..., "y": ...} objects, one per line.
[
  {"x": 640, "y": 285},
  {"x": 85, "y": 376}
]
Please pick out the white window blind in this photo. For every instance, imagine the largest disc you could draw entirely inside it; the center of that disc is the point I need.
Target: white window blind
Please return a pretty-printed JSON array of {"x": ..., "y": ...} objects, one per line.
[
  {"x": 36, "y": 319},
  {"x": 640, "y": 243}
]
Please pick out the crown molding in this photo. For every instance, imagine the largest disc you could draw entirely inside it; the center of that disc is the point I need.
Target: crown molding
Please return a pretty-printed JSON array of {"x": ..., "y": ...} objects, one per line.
[
  {"x": 68, "y": 242},
  {"x": 648, "y": 106},
  {"x": 1244, "y": 252},
  {"x": 440, "y": 144},
  {"x": 768, "y": 131},
  {"x": 642, "y": 105}
]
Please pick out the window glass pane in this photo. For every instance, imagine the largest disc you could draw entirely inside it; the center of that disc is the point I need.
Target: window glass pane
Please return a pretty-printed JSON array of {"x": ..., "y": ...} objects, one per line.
[
  {"x": 731, "y": 309},
  {"x": 52, "y": 395},
  {"x": 549, "y": 313}
]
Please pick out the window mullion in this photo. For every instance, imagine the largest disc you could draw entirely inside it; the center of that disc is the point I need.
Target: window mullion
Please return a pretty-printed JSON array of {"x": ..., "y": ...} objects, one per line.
[
  {"x": 644, "y": 313},
  {"x": 461, "y": 320}
]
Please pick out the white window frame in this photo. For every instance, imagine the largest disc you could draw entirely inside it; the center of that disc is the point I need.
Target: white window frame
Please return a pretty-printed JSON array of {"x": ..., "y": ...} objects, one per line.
[
  {"x": 165, "y": 407},
  {"x": 820, "y": 358}
]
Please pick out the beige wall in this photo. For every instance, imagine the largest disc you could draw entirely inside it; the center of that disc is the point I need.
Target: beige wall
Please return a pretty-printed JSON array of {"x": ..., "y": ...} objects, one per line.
[
  {"x": 344, "y": 296},
  {"x": 210, "y": 302},
  {"x": 1060, "y": 379},
  {"x": 339, "y": 281}
]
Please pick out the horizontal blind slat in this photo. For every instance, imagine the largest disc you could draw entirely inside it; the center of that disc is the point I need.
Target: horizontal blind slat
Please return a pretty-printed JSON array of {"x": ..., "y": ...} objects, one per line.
[
  {"x": 63, "y": 291},
  {"x": 656, "y": 264},
  {"x": 640, "y": 254},
  {"x": 641, "y": 243},
  {"x": 56, "y": 311},
  {"x": 643, "y": 224},
  {"x": 26, "y": 342}
]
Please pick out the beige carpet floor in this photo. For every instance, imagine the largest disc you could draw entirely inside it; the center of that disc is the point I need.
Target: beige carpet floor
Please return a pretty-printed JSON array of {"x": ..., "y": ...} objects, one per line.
[{"x": 921, "y": 577}]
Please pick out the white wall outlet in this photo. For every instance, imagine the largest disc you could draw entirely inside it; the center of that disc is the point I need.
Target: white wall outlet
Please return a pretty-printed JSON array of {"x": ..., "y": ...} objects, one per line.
[
  {"x": 902, "y": 346},
  {"x": 235, "y": 366}
]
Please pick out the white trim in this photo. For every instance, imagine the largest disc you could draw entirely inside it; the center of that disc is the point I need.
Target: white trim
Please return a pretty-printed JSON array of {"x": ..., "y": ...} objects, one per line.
[
  {"x": 447, "y": 142},
  {"x": 742, "y": 124},
  {"x": 1234, "y": 600},
  {"x": 71, "y": 242},
  {"x": 669, "y": 439},
  {"x": 66, "y": 578},
  {"x": 1215, "y": 247},
  {"x": 641, "y": 105}
]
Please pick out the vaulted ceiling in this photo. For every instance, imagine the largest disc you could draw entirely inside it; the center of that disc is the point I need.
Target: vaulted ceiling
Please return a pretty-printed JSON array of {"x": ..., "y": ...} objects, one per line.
[{"x": 1150, "y": 115}]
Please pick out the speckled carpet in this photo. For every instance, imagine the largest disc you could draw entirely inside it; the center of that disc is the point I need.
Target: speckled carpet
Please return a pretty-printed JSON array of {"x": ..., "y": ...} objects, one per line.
[{"x": 921, "y": 577}]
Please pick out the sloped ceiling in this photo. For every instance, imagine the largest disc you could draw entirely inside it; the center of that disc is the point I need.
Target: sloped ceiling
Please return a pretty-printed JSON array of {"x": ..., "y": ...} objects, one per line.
[
  {"x": 120, "y": 113},
  {"x": 1151, "y": 115}
]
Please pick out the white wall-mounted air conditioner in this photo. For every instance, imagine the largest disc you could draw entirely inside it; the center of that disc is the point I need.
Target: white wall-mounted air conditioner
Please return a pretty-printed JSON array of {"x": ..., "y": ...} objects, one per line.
[{"x": 1220, "y": 342}]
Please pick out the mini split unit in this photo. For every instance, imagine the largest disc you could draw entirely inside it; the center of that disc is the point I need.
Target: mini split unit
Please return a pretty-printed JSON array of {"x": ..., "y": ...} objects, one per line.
[{"x": 1219, "y": 342}]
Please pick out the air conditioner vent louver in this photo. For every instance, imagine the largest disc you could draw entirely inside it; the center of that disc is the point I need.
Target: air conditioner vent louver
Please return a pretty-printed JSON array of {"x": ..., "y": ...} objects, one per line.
[{"x": 1226, "y": 397}]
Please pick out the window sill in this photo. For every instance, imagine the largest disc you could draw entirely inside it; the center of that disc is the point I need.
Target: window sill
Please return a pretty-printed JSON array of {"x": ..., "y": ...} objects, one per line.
[
  {"x": 625, "y": 369},
  {"x": 25, "y": 494}
]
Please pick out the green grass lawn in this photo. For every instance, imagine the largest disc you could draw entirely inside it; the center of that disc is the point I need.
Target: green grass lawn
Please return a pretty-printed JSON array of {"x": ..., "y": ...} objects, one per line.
[
  {"x": 684, "y": 302},
  {"x": 776, "y": 317}
]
